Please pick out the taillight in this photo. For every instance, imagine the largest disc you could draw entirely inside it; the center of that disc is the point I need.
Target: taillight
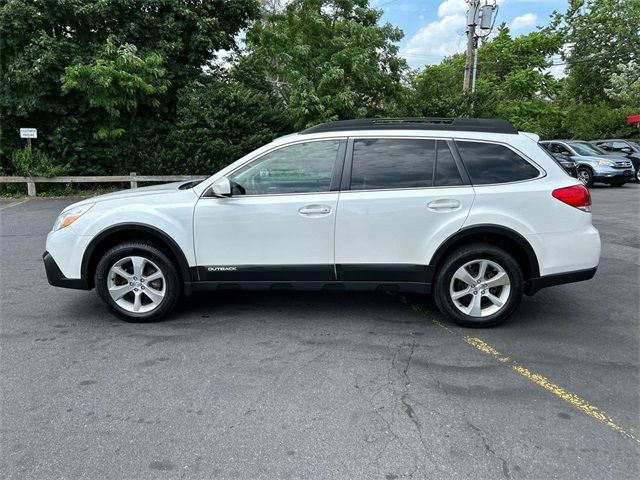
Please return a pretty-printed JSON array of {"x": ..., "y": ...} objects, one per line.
[{"x": 575, "y": 195}]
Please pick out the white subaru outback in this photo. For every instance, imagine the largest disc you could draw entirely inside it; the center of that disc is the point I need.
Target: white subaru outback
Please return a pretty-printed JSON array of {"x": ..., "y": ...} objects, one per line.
[{"x": 469, "y": 210}]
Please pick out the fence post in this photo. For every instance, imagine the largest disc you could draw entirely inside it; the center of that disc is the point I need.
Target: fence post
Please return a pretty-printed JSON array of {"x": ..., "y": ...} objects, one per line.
[
  {"x": 134, "y": 183},
  {"x": 31, "y": 187}
]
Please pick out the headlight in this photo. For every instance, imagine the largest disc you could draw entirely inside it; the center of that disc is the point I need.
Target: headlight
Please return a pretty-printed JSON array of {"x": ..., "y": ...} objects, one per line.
[
  {"x": 602, "y": 161},
  {"x": 67, "y": 217}
]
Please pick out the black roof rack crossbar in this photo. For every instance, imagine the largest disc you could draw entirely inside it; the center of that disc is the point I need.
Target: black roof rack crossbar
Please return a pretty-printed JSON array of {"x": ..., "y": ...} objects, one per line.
[{"x": 492, "y": 125}]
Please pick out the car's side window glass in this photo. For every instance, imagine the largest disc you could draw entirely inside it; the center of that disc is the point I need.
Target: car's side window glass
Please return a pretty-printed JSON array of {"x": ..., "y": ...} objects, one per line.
[
  {"x": 299, "y": 168},
  {"x": 447, "y": 173},
  {"x": 380, "y": 163},
  {"x": 489, "y": 163},
  {"x": 561, "y": 149},
  {"x": 619, "y": 145}
]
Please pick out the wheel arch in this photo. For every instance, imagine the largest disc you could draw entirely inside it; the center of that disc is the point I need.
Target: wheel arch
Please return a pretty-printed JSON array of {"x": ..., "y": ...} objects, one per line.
[
  {"x": 500, "y": 236},
  {"x": 124, "y": 232}
]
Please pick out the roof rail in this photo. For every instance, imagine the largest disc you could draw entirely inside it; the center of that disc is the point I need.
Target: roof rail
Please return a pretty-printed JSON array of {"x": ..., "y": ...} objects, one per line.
[{"x": 493, "y": 125}]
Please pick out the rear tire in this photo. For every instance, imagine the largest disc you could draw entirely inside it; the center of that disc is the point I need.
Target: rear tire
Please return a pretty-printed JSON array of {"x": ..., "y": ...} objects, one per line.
[
  {"x": 138, "y": 282},
  {"x": 585, "y": 175},
  {"x": 478, "y": 285}
]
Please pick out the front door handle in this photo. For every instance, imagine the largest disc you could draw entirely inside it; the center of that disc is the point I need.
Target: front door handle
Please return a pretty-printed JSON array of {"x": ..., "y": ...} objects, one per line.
[
  {"x": 314, "y": 210},
  {"x": 445, "y": 204}
]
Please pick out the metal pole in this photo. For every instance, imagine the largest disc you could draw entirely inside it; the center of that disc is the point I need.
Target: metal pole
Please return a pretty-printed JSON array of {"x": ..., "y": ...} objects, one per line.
[
  {"x": 475, "y": 64},
  {"x": 471, "y": 33}
]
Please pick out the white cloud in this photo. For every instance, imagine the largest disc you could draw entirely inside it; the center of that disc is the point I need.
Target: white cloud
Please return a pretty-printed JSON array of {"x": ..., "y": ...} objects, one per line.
[
  {"x": 452, "y": 7},
  {"x": 439, "y": 38},
  {"x": 524, "y": 21}
]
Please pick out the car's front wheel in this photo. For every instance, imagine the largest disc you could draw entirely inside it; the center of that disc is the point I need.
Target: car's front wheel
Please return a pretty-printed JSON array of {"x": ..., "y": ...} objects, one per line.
[
  {"x": 138, "y": 282},
  {"x": 585, "y": 175},
  {"x": 478, "y": 285}
]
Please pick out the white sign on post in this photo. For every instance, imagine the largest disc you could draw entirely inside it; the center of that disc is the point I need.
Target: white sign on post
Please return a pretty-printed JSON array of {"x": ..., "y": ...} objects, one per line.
[{"x": 28, "y": 133}]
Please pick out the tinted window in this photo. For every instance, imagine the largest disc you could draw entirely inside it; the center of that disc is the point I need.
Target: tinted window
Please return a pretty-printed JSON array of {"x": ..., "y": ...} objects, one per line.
[
  {"x": 300, "y": 168},
  {"x": 392, "y": 163},
  {"x": 492, "y": 163},
  {"x": 446, "y": 169}
]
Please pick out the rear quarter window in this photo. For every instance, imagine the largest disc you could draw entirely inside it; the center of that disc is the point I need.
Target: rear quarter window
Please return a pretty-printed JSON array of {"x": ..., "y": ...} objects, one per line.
[{"x": 489, "y": 163}]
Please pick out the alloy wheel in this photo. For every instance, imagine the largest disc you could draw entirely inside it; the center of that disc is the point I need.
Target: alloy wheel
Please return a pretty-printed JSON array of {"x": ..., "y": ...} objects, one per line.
[
  {"x": 583, "y": 176},
  {"x": 480, "y": 288},
  {"x": 136, "y": 284}
]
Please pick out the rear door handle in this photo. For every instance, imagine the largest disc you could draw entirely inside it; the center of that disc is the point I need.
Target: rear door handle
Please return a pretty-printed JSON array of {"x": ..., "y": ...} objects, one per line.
[
  {"x": 314, "y": 210},
  {"x": 443, "y": 205}
]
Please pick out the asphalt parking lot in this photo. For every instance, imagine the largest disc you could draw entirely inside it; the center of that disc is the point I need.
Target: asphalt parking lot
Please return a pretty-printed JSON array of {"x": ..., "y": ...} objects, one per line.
[{"x": 320, "y": 385}]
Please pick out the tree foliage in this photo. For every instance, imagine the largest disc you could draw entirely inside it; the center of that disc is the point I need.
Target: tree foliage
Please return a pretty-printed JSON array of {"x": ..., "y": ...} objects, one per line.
[
  {"x": 328, "y": 59},
  {"x": 115, "y": 86}
]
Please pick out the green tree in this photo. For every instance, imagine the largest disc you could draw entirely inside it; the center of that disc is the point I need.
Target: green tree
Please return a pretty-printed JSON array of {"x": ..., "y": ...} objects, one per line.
[
  {"x": 40, "y": 40},
  {"x": 327, "y": 59},
  {"x": 599, "y": 35},
  {"x": 118, "y": 79},
  {"x": 512, "y": 83}
]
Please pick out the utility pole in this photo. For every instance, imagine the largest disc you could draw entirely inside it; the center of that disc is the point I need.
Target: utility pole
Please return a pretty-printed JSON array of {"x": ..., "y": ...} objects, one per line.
[
  {"x": 471, "y": 33},
  {"x": 480, "y": 20}
]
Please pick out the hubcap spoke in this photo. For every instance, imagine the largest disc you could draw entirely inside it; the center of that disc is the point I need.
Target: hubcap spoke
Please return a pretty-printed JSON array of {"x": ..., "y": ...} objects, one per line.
[
  {"x": 499, "y": 280},
  {"x": 475, "y": 308},
  {"x": 461, "y": 293},
  {"x": 154, "y": 276},
  {"x": 138, "y": 265},
  {"x": 119, "y": 291},
  {"x": 119, "y": 271},
  {"x": 137, "y": 303},
  {"x": 483, "y": 270},
  {"x": 155, "y": 296},
  {"x": 464, "y": 276},
  {"x": 493, "y": 299}
]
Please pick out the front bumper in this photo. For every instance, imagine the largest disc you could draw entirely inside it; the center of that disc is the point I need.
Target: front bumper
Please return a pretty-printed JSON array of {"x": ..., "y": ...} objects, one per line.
[
  {"x": 57, "y": 278},
  {"x": 537, "y": 283},
  {"x": 614, "y": 175}
]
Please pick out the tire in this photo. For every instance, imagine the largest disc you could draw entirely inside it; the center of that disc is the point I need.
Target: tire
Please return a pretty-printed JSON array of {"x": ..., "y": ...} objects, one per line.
[
  {"x": 618, "y": 184},
  {"x": 509, "y": 294},
  {"x": 585, "y": 175},
  {"x": 638, "y": 175},
  {"x": 138, "y": 282}
]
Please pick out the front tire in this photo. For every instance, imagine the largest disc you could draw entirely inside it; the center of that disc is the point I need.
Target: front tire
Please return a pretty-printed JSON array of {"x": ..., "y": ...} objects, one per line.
[
  {"x": 478, "y": 285},
  {"x": 585, "y": 175},
  {"x": 138, "y": 282}
]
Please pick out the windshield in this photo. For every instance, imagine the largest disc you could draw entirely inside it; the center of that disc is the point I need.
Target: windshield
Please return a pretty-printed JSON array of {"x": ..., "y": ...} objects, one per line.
[
  {"x": 635, "y": 145},
  {"x": 586, "y": 149}
]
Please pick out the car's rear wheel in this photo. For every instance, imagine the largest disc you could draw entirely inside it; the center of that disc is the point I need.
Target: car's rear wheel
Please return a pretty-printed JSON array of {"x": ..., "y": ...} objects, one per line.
[
  {"x": 138, "y": 282},
  {"x": 478, "y": 285},
  {"x": 585, "y": 175},
  {"x": 638, "y": 175}
]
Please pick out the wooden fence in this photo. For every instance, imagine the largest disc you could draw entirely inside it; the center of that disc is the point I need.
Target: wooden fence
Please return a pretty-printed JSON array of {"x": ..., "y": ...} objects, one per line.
[{"x": 132, "y": 178}]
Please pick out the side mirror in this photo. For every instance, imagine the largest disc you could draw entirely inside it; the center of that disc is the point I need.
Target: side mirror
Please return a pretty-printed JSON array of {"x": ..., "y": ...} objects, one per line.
[{"x": 221, "y": 187}]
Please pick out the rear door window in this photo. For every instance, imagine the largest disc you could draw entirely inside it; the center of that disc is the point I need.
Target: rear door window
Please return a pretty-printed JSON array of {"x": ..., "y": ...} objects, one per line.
[
  {"x": 381, "y": 163},
  {"x": 489, "y": 163}
]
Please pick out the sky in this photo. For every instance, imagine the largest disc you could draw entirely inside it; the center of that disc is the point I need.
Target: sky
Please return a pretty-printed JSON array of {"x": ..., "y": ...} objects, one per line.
[{"x": 434, "y": 29}]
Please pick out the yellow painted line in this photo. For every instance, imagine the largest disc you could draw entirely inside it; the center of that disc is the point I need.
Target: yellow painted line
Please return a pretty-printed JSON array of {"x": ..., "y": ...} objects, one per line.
[{"x": 540, "y": 380}]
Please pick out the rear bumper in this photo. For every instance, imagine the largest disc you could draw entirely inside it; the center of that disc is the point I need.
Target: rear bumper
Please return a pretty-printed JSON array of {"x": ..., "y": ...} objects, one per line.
[
  {"x": 545, "y": 281},
  {"x": 57, "y": 278}
]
